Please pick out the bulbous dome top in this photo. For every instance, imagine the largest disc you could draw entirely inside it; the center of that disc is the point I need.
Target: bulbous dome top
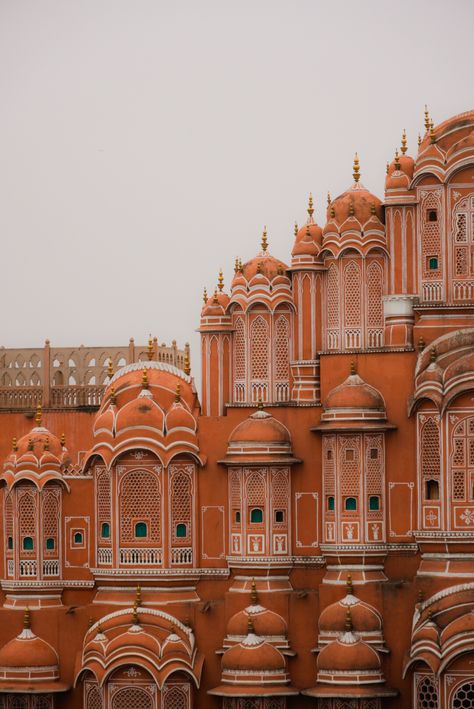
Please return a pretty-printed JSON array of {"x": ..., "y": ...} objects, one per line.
[
  {"x": 260, "y": 427},
  {"x": 356, "y": 205},
  {"x": 348, "y": 654},
  {"x": 28, "y": 650},
  {"x": 254, "y": 655},
  {"x": 215, "y": 305},
  {"x": 266, "y": 622},
  {"x": 364, "y": 618},
  {"x": 263, "y": 268},
  {"x": 354, "y": 393}
]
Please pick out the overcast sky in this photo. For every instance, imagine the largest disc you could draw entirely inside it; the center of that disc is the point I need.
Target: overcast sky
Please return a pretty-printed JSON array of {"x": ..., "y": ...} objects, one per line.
[{"x": 144, "y": 143}]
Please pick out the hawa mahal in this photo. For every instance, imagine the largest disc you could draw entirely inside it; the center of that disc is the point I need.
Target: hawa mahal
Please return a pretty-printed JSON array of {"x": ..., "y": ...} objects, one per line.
[{"x": 301, "y": 536}]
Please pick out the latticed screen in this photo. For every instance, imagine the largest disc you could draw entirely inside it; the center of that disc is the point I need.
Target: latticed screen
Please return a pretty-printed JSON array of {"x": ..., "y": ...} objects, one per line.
[
  {"x": 51, "y": 508},
  {"x": 429, "y": 450},
  {"x": 181, "y": 488},
  {"x": 431, "y": 237},
  {"x": 374, "y": 286},
  {"x": 349, "y": 455},
  {"x": 27, "y": 518},
  {"x": 373, "y": 464},
  {"x": 333, "y": 297},
  {"x": 352, "y": 295},
  {"x": 259, "y": 343},
  {"x": 464, "y": 697},
  {"x": 132, "y": 698},
  {"x": 427, "y": 693},
  {"x": 176, "y": 697},
  {"x": 282, "y": 348},
  {"x": 140, "y": 500},
  {"x": 256, "y": 488},
  {"x": 239, "y": 349},
  {"x": 103, "y": 501},
  {"x": 94, "y": 698}
]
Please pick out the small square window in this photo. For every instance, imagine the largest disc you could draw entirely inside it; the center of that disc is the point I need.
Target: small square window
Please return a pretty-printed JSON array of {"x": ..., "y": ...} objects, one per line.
[
  {"x": 374, "y": 502},
  {"x": 432, "y": 215},
  {"x": 279, "y": 516},
  {"x": 350, "y": 504},
  {"x": 374, "y": 453},
  {"x": 350, "y": 454},
  {"x": 329, "y": 454},
  {"x": 433, "y": 263},
  {"x": 237, "y": 516},
  {"x": 330, "y": 502}
]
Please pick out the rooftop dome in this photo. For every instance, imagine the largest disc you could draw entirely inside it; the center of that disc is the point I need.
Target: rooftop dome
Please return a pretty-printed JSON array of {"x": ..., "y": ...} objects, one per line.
[
  {"x": 348, "y": 654},
  {"x": 262, "y": 268},
  {"x": 356, "y": 204},
  {"x": 265, "y": 622},
  {"x": 365, "y": 618},
  {"x": 260, "y": 437},
  {"x": 253, "y": 654},
  {"x": 28, "y": 651},
  {"x": 308, "y": 239}
]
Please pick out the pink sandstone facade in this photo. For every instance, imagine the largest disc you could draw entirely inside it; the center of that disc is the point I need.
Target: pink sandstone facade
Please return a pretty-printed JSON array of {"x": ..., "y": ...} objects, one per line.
[{"x": 301, "y": 536}]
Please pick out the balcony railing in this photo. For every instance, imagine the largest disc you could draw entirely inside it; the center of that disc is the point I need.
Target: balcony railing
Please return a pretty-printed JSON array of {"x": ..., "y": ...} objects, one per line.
[
  {"x": 104, "y": 555},
  {"x": 140, "y": 557},
  {"x": 182, "y": 555},
  {"x": 50, "y": 567},
  {"x": 28, "y": 567}
]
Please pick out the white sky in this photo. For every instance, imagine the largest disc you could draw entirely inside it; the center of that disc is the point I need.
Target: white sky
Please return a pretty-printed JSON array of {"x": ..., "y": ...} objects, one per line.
[{"x": 144, "y": 143}]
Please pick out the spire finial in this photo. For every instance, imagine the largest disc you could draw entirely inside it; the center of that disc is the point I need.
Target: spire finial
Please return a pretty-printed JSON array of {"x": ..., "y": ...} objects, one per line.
[
  {"x": 329, "y": 199},
  {"x": 260, "y": 403},
  {"x": 404, "y": 142},
  {"x": 250, "y": 627},
  {"x": 187, "y": 364},
  {"x": 27, "y": 618},
  {"x": 353, "y": 368},
  {"x": 351, "y": 208},
  {"x": 135, "y": 618},
  {"x": 350, "y": 587},
  {"x": 236, "y": 264},
  {"x": 220, "y": 280},
  {"x": 332, "y": 212},
  {"x": 150, "y": 348},
  {"x": 14, "y": 443},
  {"x": 145, "y": 383},
  {"x": 177, "y": 396},
  {"x": 397, "y": 160},
  {"x": 253, "y": 593},
  {"x": 387, "y": 169},
  {"x": 110, "y": 368},
  {"x": 39, "y": 414},
  {"x": 215, "y": 299},
  {"x": 348, "y": 625},
  {"x": 419, "y": 139},
  {"x": 295, "y": 230},
  {"x": 46, "y": 444},
  {"x": 432, "y": 133},
  {"x": 264, "y": 240},
  {"x": 372, "y": 208},
  {"x": 421, "y": 343},
  {"x": 356, "y": 168},
  {"x": 113, "y": 398},
  {"x": 310, "y": 207},
  {"x": 138, "y": 596},
  {"x": 63, "y": 439},
  {"x": 30, "y": 444},
  {"x": 433, "y": 354},
  {"x": 204, "y": 295},
  {"x": 427, "y": 119}
]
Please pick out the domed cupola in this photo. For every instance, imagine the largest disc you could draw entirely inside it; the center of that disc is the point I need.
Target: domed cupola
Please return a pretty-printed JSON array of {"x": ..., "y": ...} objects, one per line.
[
  {"x": 354, "y": 405},
  {"x": 355, "y": 219},
  {"x": 150, "y": 405},
  {"x": 39, "y": 456},
  {"x": 26, "y": 661},
  {"x": 263, "y": 279},
  {"x": 308, "y": 240},
  {"x": 349, "y": 667},
  {"x": 259, "y": 438},
  {"x": 366, "y": 620},
  {"x": 214, "y": 314},
  {"x": 399, "y": 172},
  {"x": 253, "y": 668}
]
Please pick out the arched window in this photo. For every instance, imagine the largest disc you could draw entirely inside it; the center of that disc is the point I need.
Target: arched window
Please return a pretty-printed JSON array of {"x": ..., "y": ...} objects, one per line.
[
  {"x": 374, "y": 502},
  {"x": 141, "y": 530},
  {"x": 105, "y": 530},
  {"x": 10, "y": 542},
  {"x": 464, "y": 697},
  {"x": 330, "y": 503},
  {"x": 78, "y": 538},
  {"x": 259, "y": 345},
  {"x": 181, "y": 530},
  {"x": 237, "y": 516},
  {"x": 256, "y": 515},
  {"x": 132, "y": 698},
  {"x": 28, "y": 543},
  {"x": 279, "y": 516},
  {"x": 50, "y": 543},
  {"x": 431, "y": 490},
  {"x": 350, "y": 504},
  {"x": 427, "y": 693}
]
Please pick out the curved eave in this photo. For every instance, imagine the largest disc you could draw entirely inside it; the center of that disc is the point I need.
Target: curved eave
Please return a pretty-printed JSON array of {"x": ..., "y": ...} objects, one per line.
[
  {"x": 232, "y": 460},
  {"x": 29, "y": 687},
  {"x": 353, "y": 426},
  {"x": 38, "y": 480},
  {"x": 254, "y": 690},
  {"x": 351, "y": 692}
]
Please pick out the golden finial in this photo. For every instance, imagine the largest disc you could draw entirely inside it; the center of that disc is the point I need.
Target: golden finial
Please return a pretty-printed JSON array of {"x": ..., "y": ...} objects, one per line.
[
  {"x": 387, "y": 169},
  {"x": 421, "y": 343},
  {"x": 138, "y": 596},
  {"x": 150, "y": 348},
  {"x": 427, "y": 118},
  {"x": 253, "y": 593},
  {"x": 30, "y": 444},
  {"x": 353, "y": 368},
  {"x": 432, "y": 133},
  {"x": 264, "y": 239},
  {"x": 351, "y": 208},
  {"x": 113, "y": 398},
  {"x": 348, "y": 624},
  {"x": 187, "y": 364},
  {"x": 236, "y": 264},
  {"x": 260, "y": 403},
  {"x": 430, "y": 614},
  {"x": 204, "y": 295},
  {"x": 404, "y": 142},
  {"x": 215, "y": 299},
  {"x": 177, "y": 396},
  {"x": 220, "y": 280},
  {"x": 14, "y": 443},
  {"x": 280, "y": 270},
  {"x": 356, "y": 169},
  {"x": 63, "y": 439},
  {"x": 420, "y": 596},
  {"x": 350, "y": 587},
  {"x": 332, "y": 212},
  {"x": 135, "y": 618},
  {"x": 259, "y": 267},
  {"x": 419, "y": 139},
  {"x": 329, "y": 199},
  {"x": 91, "y": 622},
  {"x": 250, "y": 628},
  {"x": 433, "y": 354},
  {"x": 39, "y": 414},
  {"x": 310, "y": 206},
  {"x": 397, "y": 160},
  {"x": 308, "y": 233},
  {"x": 145, "y": 383},
  {"x": 27, "y": 619},
  {"x": 46, "y": 444},
  {"x": 110, "y": 368},
  {"x": 295, "y": 230},
  {"x": 372, "y": 208}
]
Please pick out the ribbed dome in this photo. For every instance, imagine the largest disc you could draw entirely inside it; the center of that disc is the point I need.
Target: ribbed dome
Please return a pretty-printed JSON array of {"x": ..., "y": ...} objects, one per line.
[
  {"x": 265, "y": 622},
  {"x": 348, "y": 654},
  {"x": 253, "y": 654},
  {"x": 354, "y": 393},
  {"x": 28, "y": 650},
  {"x": 364, "y": 617},
  {"x": 260, "y": 427}
]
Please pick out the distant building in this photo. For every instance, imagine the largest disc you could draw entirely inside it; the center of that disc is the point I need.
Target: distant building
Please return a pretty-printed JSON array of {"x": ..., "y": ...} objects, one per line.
[{"x": 303, "y": 536}]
